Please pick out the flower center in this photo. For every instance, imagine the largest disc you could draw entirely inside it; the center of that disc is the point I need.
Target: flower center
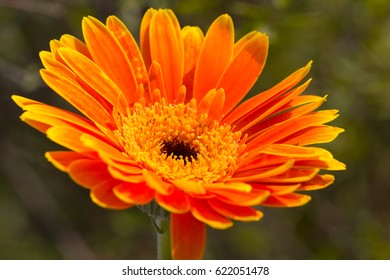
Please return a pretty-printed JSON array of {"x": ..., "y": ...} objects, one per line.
[
  {"x": 179, "y": 142},
  {"x": 179, "y": 150}
]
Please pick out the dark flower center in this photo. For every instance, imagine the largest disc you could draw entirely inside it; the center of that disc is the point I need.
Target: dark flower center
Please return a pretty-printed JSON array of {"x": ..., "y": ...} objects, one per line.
[{"x": 179, "y": 149}]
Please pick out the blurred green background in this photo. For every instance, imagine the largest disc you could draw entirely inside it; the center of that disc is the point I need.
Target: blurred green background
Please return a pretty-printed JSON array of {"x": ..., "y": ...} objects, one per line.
[{"x": 44, "y": 215}]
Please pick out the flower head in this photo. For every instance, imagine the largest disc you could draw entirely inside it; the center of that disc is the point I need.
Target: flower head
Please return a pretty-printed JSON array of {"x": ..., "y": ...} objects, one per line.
[{"x": 164, "y": 122}]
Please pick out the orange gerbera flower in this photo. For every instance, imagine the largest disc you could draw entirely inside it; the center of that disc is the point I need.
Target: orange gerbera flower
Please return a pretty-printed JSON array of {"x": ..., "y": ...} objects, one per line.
[{"x": 164, "y": 123}]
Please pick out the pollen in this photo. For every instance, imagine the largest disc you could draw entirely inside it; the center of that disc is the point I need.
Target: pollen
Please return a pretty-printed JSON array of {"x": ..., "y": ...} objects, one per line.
[{"x": 179, "y": 142}]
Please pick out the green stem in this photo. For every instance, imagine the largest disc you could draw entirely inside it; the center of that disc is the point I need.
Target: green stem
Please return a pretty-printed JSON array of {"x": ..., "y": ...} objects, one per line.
[
  {"x": 160, "y": 220},
  {"x": 163, "y": 239}
]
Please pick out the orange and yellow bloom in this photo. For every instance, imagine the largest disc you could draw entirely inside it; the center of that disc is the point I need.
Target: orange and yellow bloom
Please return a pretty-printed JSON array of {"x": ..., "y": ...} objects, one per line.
[{"x": 164, "y": 123}]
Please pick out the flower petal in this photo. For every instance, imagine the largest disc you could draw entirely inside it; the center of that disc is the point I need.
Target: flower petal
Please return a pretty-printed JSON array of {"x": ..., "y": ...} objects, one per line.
[
  {"x": 276, "y": 189},
  {"x": 124, "y": 176},
  {"x": 258, "y": 100},
  {"x": 204, "y": 213},
  {"x": 190, "y": 187},
  {"x": 155, "y": 182},
  {"x": 240, "y": 198},
  {"x": 166, "y": 48},
  {"x": 67, "y": 137},
  {"x": 88, "y": 172},
  {"x": 313, "y": 135},
  {"x": 188, "y": 237},
  {"x": 102, "y": 194},
  {"x": 234, "y": 186},
  {"x": 177, "y": 202},
  {"x": 243, "y": 70},
  {"x": 240, "y": 213},
  {"x": 212, "y": 104},
  {"x": 283, "y": 130},
  {"x": 75, "y": 44},
  {"x": 193, "y": 40},
  {"x": 107, "y": 152},
  {"x": 91, "y": 74},
  {"x": 78, "y": 97},
  {"x": 287, "y": 200},
  {"x": 107, "y": 53},
  {"x": 130, "y": 47},
  {"x": 274, "y": 107},
  {"x": 259, "y": 174},
  {"x": 156, "y": 80},
  {"x": 318, "y": 182},
  {"x": 144, "y": 36},
  {"x": 214, "y": 57},
  {"x": 292, "y": 176},
  {"x": 62, "y": 159},
  {"x": 134, "y": 193}
]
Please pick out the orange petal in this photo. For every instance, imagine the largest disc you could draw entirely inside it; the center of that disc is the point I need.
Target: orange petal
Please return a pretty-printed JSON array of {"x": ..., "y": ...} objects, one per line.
[
  {"x": 62, "y": 159},
  {"x": 212, "y": 104},
  {"x": 105, "y": 150},
  {"x": 75, "y": 44},
  {"x": 54, "y": 46},
  {"x": 287, "y": 200},
  {"x": 193, "y": 40},
  {"x": 22, "y": 102},
  {"x": 240, "y": 213},
  {"x": 156, "y": 80},
  {"x": 181, "y": 96},
  {"x": 214, "y": 57},
  {"x": 176, "y": 202},
  {"x": 273, "y": 107},
  {"x": 61, "y": 116},
  {"x": 205, "y": 103},
  {"x": 296, "y": 152},
  {"x": 67, "y": 137},
  {"x": 244, "y": 41},
  {"x": 188, "y": 237},
  {"x": 144, "y": 36},
  {"x": 134, "y": 193},
  {"x": 260, "y": 174},
  {"x": 292, "y": 176},
  {"x": 204, "y": 213},
  {"x": 155, "y": 182},
  {"x": 234, "y": 186},
  {"x": 124, "y": 176},
  {"x": 58, "y": 66},
  {"x": 283, "y": 130},
  {"x": 324, "y": 163},
  {"x": 259, "y": 99},
  {"x": 102, "y": 194},
  {"x": 190, "y": 187},
  {"x": 276, "y": 189},
  {"x": 91, "y": 74},
  {"x": 244, "y": 70},
  {"x": 109, "y": 56},
  {"x": 42, "y": 117},
  {"x": 318, "y": 182},
  {"x": 292, "y": 110},
  {"x": 313, "y": 135},
  {"x": 130, "y": 47},
  {"x": 88, "y": 172},
  {"x": 166, "y": 48},
  {"x": 240, "y": 198},
  {"x": 78, "y": 97}
]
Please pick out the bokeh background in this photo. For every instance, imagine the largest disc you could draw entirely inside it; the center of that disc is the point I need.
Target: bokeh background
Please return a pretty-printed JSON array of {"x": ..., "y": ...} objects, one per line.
[{"x": 44, "y": 215}]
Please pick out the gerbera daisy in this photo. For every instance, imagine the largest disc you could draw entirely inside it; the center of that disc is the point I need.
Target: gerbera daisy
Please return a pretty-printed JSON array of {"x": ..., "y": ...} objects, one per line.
[{"x": 163, "y": 123}]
